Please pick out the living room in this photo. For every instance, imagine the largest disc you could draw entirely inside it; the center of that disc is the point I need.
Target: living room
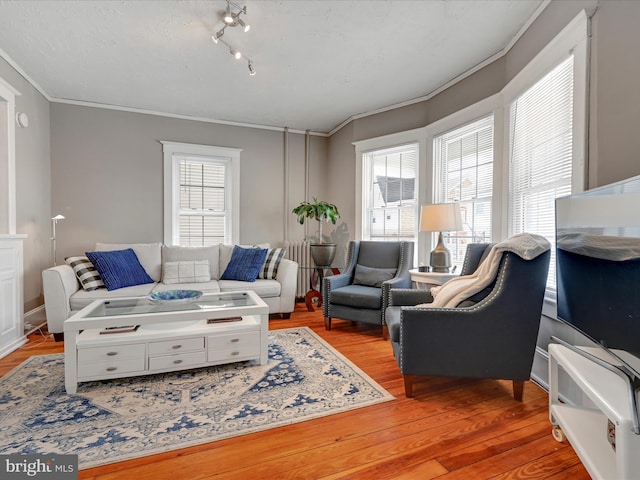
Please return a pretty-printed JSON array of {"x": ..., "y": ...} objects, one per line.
[{"x": 92, "y": 164}]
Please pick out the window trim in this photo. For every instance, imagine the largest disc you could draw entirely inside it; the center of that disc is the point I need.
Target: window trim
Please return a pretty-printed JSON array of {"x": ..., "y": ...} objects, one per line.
[{"x": 171, "y": 175}]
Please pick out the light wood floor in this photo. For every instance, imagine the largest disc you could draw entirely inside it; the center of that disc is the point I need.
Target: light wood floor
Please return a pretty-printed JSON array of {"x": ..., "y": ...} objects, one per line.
[{"x": 451, "y": 429}]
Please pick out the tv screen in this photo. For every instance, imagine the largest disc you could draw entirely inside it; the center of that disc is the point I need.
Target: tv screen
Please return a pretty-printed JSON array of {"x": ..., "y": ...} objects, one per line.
[{"x": 598, "y": 267}]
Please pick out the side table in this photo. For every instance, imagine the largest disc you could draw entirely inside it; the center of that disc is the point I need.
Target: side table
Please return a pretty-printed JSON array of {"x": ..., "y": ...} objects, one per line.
[
  {"x": 426, "y": 280},
  {"x": 317, "y": 274}
]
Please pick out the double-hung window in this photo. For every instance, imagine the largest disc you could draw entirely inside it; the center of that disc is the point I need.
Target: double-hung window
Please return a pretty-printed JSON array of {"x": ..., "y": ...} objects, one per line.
[
  {"x": 540, "y": 154},
  {"x": 390, "y": 193},
  {"x": 463, "y": 172},
  {"x": 201, "y": 194}
]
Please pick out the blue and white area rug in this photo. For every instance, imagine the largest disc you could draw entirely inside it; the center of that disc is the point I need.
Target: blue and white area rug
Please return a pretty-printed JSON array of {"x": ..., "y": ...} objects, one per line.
[{"x": 115, "y": 420}]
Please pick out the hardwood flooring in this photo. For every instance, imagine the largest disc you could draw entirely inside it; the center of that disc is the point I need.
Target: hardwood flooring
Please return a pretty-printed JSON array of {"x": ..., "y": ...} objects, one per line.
[{"x": 451, "y": 429}]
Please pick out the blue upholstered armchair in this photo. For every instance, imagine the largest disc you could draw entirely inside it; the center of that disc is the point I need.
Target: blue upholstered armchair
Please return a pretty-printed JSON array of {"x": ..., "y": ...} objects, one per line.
[
  {"x": 490, "y": 335},
  {"x": 361, "y": 292}
]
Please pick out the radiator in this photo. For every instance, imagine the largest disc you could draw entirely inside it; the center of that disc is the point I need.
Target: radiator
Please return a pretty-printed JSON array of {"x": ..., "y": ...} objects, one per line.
[{"x": 301, "y": 253}]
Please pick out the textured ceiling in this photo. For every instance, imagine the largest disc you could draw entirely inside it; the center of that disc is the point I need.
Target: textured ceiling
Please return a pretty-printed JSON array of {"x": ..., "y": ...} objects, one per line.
[{"x": 318, "y": 62}]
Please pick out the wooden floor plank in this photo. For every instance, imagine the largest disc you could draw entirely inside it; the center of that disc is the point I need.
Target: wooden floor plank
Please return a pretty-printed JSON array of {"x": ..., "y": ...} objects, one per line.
[{"x": 452, "y": 428}]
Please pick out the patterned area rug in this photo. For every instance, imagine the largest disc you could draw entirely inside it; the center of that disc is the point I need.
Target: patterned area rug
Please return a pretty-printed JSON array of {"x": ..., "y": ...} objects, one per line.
[{"x": 115, "y": 420}]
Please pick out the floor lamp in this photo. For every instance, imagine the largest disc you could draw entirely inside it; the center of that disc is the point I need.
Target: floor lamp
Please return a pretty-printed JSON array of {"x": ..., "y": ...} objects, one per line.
[
  {"x": 54, "y": 221},
  {"x": 440, "y": 217}
]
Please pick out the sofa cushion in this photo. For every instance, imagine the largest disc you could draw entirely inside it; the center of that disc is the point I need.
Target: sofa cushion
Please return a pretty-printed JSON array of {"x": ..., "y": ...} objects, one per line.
[
  {"x": 269, "y": 269},
  {"x": 86, "y": 273},
  {"x": 82, "y": 298},
  {"x": 245, "y": 264},
  {"x": 358, "y": 296},
  {"x": 372, "y": 277},
  {"x": 119, "y": 268},
  {"x": 186, "y": 271},
  {"x": 148, "y": 255},
  {"x": 172, "y": 253},
  {"x": 264, "y": 288}
]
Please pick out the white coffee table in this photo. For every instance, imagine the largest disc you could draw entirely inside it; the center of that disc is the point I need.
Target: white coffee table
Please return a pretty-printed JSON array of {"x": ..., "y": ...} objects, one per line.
[{"x": 168, "y": 336}]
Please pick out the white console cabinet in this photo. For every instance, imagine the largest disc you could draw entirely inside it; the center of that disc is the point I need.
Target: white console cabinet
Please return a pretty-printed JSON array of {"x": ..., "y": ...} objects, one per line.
[
  {"x": 11, "y": 296},
  {"x": 601, "y": 430}
]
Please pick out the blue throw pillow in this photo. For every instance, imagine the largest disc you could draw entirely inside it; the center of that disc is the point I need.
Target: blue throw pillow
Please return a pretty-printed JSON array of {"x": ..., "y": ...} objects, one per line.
[
  {"x": 245, "y": 264},
  {"x": 119, "y": 268}
]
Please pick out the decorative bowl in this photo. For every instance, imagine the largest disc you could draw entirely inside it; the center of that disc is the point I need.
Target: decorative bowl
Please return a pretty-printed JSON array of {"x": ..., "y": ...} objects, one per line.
[{"x": 174, "y": 297}]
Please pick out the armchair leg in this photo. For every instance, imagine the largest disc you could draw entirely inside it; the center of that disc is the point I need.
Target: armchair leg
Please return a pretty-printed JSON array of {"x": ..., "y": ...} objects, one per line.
[
  {"x": 327, "y": 323},
  {"x": 385, "y": 332},
  {"x": 408, "y": 385},
  {"x": 518, "y": 389}
]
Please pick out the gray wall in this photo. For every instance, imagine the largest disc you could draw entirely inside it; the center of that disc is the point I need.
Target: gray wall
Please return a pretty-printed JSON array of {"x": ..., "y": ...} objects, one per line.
[
  {"x": 107, "y": 175},
  {"x": 33, "y": 186},
  {"x": 614, "y": 100}
]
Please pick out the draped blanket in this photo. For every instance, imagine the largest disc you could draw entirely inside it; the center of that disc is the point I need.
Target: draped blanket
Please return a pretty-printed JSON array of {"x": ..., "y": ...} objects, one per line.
[{"x": 527, "y": 246}]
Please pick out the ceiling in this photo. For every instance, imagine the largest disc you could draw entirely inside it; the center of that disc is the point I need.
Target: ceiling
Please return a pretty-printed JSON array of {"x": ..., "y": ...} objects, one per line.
[{"x": 318, "y": 63}]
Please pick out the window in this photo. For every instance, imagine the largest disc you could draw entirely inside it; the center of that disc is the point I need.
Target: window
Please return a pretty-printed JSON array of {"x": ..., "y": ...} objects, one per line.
[
  {"x": 201, "y": 194},
  {"x": 540, "y": 154},
  {"x": 390, "y": 193},
  {"x": 463, "y": 172}
]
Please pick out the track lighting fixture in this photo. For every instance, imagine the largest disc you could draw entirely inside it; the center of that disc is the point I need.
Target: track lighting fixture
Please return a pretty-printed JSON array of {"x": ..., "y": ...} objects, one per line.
[{"x": 232, "y": 18}]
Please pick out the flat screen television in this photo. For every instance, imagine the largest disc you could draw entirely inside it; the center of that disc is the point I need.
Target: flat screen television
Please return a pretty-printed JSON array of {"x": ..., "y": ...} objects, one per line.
[{"x": 598, "y": 269}]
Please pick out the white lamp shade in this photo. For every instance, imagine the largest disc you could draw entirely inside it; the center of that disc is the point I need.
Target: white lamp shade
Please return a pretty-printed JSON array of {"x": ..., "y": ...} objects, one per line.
[{"x": 440, "y": 217}]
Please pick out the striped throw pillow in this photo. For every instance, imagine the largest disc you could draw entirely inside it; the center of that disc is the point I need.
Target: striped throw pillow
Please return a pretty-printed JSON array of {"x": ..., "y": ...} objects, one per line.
[
  {"x": 86, "y": 273},
  {"x": 270, "y": 268}
]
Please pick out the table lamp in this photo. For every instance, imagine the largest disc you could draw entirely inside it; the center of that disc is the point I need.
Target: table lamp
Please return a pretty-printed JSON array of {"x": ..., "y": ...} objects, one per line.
[{"x": 440, "y": 217}]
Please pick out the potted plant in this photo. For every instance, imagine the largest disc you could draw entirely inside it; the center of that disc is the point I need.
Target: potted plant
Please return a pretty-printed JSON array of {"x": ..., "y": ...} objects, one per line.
[{"x": 322, "y": 253}]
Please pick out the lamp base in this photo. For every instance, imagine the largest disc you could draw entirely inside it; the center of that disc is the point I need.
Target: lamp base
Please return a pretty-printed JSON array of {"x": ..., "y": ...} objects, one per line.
[{"x": 440, "y": 257}]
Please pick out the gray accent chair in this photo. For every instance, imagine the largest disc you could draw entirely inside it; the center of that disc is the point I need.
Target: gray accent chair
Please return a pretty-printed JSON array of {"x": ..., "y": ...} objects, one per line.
[
  {"x": 361, "y": 292},
  {"x": 491, "y": 335}
]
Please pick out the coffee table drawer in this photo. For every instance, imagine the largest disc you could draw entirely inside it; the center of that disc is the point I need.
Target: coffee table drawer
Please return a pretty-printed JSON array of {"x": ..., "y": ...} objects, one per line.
[
  {"x": 111, "y": 353},
  {"x": 116, "y": 367},
  {"x": 178, "y": 361},
  {"x": 233, "y": 347},
  {"x": 171, "y": 347}
]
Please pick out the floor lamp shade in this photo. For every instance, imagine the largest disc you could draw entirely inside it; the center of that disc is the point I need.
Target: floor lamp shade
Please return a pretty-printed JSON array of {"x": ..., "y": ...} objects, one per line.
[{"x": 440, "y": 217}]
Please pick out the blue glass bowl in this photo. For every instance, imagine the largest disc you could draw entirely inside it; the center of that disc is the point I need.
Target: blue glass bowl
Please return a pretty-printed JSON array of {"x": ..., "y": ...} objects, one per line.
[{"x": 174, "y": 296}]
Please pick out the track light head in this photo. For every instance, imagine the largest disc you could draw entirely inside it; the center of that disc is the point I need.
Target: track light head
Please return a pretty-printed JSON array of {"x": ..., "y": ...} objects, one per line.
[
  {"x": 235, "y": 53},
  {"x": 218, "y": 35},
  {"x": 228, "y": 17},
  {"x": 245, "y": 26},
  {"x": 252, "y": 71}
]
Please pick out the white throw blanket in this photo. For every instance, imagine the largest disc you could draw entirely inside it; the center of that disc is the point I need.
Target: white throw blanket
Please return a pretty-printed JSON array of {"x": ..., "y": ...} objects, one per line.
[{"x": 525, "y": 245}]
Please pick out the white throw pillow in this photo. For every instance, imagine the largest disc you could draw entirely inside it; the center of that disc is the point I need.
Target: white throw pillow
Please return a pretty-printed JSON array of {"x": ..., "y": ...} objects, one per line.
[{"x": 187, "y": 271}]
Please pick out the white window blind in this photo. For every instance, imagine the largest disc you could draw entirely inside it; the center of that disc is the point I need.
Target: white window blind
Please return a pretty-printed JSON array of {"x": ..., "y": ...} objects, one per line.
[
  {"x": 202, "y": 206},
  {"x": 540, "y": 154},
  {"x": 463, "y": 171},
  {"x": 390, "y": 201}
]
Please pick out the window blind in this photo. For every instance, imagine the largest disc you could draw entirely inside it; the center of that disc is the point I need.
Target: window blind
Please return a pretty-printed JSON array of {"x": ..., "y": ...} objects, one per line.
[
  {"x": 540, "y": 156},
  {"x": 201, "y": 202},
  {"x": 463, "y": 170},
  {"x": 391, "y": 199}
]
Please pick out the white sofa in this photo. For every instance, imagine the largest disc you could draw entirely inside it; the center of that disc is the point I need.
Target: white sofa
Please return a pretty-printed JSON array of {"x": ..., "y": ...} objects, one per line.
[{"x": 64, "y": 296}]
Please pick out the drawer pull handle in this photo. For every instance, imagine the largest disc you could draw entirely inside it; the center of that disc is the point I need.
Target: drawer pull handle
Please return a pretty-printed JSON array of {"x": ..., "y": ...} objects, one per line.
[
  {"x": 111, "y": 369},
  {"x": 111, "y": 354},
  {"x": 176, "y": 347},
  {"x": 176, "y": 362},
  {"x": 235, "y": 340},
  {"x": 233, "y": 354}
]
